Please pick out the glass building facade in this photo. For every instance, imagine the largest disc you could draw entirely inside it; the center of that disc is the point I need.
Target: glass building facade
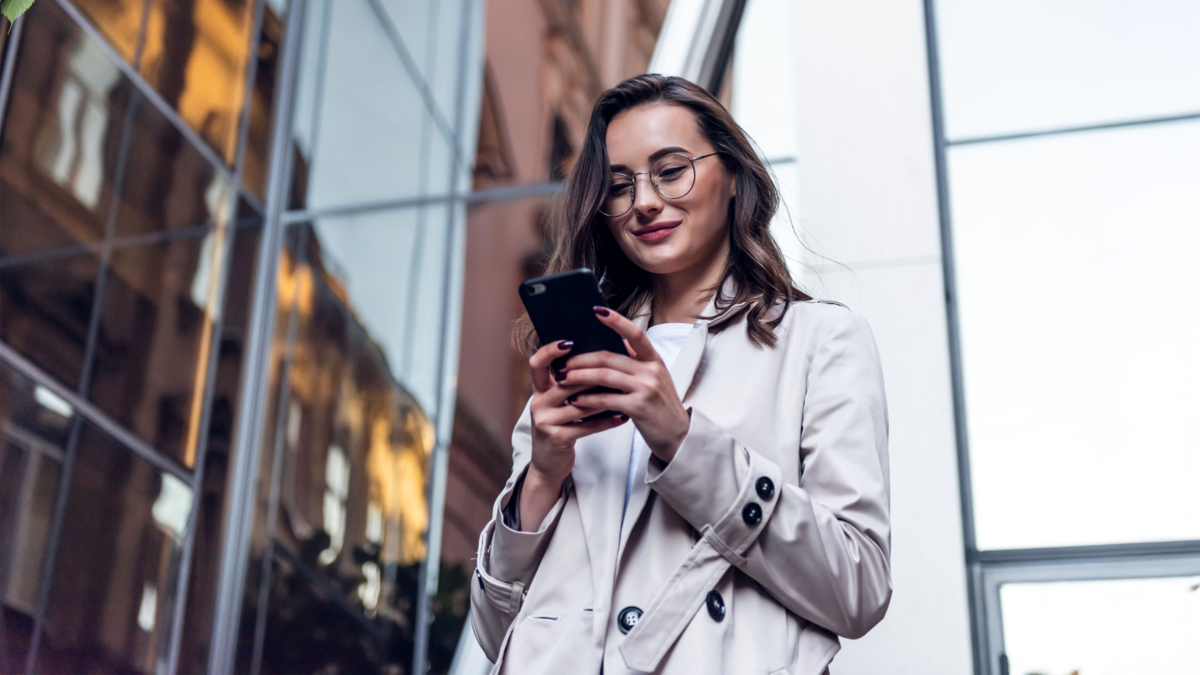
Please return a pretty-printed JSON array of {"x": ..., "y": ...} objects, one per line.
[{"x": 231, "y": 238}]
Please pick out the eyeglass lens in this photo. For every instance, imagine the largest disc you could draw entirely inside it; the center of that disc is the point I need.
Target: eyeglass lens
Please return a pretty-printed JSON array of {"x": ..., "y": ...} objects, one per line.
[{"x": 672, "y": 177}]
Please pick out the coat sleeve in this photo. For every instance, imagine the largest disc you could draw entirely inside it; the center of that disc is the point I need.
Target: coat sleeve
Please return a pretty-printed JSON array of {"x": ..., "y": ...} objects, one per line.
[
  {"x": 821, "y": 548},
  {"x": 507, "y": 559}
]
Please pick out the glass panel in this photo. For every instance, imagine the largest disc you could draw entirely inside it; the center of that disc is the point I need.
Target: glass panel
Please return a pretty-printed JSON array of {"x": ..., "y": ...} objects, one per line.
[
  {"x": 155, "y": 328},
  {"x": 1079, "y": 320},
  {"x": 391, "y": 268},
  {"x": 46, "y": 307},
  {"x": 202, "y": 584},
  {"x": 262, "y": 101},
  {"x": 1069, "y": 627},
  {"x": 34, "y": 424},
  {"x": 168, "y": 184},
  {"x": 359, "y": 115},
  {"x": 112, "y": 597},
  {"x": 195, "y": 56},
  {"x": 1026, "y": 65},
  {"x": 353, "y": 447},
  {"x": 62, "y": 138},
  {"x": 119, "y": 21}
]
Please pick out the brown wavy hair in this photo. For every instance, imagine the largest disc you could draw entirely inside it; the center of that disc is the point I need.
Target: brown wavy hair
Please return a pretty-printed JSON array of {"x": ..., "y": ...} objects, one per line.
[{"x": 581, "y": 238}]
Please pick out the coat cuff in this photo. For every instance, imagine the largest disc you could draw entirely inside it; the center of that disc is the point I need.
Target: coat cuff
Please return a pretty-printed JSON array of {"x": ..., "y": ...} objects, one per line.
[
  {"x": 513, "y": 555},
  {"x": 725, "y": 491}
]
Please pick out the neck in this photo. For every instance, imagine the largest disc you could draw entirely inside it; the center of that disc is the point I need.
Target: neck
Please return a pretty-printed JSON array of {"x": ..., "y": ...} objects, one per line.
[{"x": 679, "y": 297}]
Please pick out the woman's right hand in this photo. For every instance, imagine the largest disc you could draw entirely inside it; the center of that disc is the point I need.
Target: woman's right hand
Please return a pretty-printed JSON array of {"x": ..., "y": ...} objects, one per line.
[{"x": 556, "y": 427}]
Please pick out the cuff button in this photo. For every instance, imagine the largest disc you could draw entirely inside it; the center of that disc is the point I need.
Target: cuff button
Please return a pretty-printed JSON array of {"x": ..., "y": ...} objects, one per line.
[
  {"x": 765, "y": 488},
  {"x": 752, "y": 514}
]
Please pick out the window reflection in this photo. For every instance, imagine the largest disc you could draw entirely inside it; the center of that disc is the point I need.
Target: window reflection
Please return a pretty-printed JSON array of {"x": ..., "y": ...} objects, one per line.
[
  {"x": 119, "y": 21},
  {"x": 262, "y": 101},
  {"x": 62, "y": 137},
  {"x": 114, "y": 583},
  {"x": 195, "y": 56},
  {"x": 354, "y": 451},
  {"x": 210, "y": 502},
  {"x": 154, "y": 337},
  {"x": 34, "y": 424}
]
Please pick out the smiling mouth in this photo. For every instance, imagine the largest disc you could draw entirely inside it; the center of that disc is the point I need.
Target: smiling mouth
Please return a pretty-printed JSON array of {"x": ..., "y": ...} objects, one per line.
[{"x": 656, "y": 231}]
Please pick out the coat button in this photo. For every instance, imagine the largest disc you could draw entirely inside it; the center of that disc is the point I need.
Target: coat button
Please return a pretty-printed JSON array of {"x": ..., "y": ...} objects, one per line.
[
  {"x": 752, "y": 514},
  {"x": 628, "y": 618},
  {"x": 716, "y": 606},
  {"x": 480, "y": 578},
  {"x": 765, "y": 487}
]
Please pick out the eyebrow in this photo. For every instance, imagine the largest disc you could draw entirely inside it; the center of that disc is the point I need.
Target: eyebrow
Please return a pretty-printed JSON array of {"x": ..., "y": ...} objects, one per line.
[{"x": 659, "y": 154}]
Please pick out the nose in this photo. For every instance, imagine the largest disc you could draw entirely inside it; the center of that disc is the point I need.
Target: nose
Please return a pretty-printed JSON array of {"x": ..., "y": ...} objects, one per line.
[{"x": 647, "y": 201}]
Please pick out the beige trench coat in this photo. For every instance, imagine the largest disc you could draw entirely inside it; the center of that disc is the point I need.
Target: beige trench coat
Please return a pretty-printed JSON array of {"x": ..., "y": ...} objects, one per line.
[{"x": 799, "y": 430}]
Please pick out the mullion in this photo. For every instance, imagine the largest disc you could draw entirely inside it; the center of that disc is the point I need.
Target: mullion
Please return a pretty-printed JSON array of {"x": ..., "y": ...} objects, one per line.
[{"x": 12, "y": 43}]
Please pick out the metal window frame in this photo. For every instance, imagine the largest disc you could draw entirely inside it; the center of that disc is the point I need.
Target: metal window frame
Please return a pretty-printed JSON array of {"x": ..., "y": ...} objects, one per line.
[{"x": 988, "y": 570}]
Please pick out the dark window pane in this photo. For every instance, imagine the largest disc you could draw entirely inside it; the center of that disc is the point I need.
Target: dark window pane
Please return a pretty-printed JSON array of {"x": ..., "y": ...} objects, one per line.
[
  {"x": 202, "y": 586},
  {"x": 262, "y": 102},
  {"x": 33, "y": 430},
  {"x": 113, "y": 591},
  {"x": 45, "y": 307},
  {"x": 62, "y": 137},
  {"x": 195, "y": 56},
  {"x": 151, "y": 350}
]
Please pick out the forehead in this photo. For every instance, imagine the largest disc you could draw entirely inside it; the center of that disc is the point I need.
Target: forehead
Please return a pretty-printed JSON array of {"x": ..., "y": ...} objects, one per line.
[{"x": 636, "y": 133}]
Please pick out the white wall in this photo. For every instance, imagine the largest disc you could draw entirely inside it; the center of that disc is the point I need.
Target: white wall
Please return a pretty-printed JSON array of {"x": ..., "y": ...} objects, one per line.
[{"x": 862, "y": 192}]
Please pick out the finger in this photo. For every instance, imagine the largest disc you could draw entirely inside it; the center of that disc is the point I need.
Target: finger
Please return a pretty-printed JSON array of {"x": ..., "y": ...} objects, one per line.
[
  {"x": 627, "y": 329},
  {"x": 601, "y": 377},
  {"x": 563, "y": 416},
  {"x": 629, "y": 348},
  {"x": 559, "y": 393},
  {"x": 539, "y": 363},
  {"x": 619, "y": 402},
  {"x": 581, "y": 429},
  {"x": 619, "y": 362}
]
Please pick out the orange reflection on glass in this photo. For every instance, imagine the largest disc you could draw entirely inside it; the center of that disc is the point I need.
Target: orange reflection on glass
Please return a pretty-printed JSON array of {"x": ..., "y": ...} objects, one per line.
[
  {"x": 118, "y": 20},
  {"x": 195, "y": 56}
]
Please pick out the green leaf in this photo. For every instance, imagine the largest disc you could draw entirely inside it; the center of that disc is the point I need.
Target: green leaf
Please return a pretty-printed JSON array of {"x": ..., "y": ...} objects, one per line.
[{"x": 14, "y": 8}]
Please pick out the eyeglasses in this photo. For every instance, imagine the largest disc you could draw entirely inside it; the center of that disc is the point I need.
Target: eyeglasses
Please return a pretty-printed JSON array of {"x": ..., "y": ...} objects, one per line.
[{"x": 672, "y": 176}]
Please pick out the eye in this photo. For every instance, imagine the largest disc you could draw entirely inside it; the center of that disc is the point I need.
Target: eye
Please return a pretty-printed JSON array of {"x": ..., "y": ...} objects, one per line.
[
  {"x": 619, "y": 189},
  {"x": 671, "y": 172}
]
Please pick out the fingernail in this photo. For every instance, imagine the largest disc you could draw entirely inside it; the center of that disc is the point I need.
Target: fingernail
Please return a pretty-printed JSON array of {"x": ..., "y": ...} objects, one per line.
[
  {"x": 600, "y": 311},
  {"x": 566, "y": 345},
  {"x": 560, "y": 375},
  {"x": 624, "y": 417}
]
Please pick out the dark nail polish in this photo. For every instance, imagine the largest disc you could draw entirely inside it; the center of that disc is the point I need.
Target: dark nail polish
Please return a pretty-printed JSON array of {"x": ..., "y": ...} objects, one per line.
[
  {"x": 601, "y": 311},
  {"x": 624, "y": 417},
  {"x": 560, "y": 375},
  {"x": 566, "y": 345}
]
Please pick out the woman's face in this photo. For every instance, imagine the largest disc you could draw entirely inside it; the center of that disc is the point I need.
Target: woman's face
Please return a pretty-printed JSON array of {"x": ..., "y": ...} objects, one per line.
[{"x": 667, "y": 236}]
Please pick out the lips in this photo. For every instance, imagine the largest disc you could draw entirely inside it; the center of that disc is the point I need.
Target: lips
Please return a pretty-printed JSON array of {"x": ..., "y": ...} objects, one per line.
[{"x": 656, "y": 231}]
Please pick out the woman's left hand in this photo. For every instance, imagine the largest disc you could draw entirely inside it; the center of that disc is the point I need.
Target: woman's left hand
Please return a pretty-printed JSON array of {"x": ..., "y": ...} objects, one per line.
[{"x": 647, "y": 393}]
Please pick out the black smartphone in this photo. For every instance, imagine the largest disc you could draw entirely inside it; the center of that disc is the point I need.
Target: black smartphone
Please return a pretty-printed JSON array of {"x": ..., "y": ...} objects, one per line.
[{"x": 560, "y": 306}]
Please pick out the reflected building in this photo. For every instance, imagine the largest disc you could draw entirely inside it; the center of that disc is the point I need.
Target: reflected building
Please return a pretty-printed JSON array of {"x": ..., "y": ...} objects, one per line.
[{"x": 229, "y": 239}]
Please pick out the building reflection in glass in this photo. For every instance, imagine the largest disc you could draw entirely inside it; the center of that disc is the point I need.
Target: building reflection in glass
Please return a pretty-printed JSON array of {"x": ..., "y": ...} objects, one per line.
[{"x": 342, "y": 508}]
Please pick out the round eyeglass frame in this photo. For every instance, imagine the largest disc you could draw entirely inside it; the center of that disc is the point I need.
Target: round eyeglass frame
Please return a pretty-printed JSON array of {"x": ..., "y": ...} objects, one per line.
[{"x": 633, "y": 182}]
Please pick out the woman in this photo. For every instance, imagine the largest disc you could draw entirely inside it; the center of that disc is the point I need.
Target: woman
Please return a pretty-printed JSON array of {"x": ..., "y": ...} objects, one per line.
[{"x": 740, "y": 523}]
